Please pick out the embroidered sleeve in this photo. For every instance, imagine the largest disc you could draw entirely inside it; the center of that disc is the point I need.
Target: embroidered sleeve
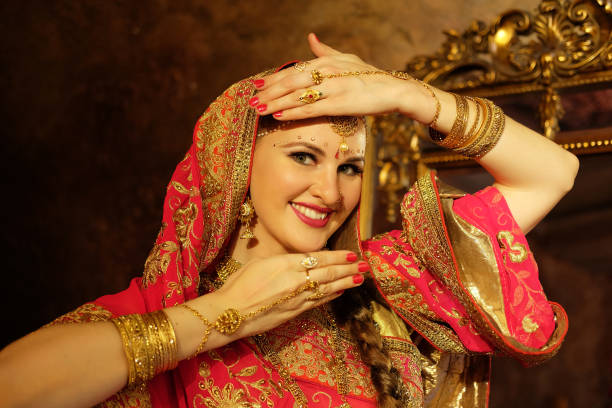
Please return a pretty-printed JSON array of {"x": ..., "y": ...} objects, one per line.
[{"x": 461, "y": 262}]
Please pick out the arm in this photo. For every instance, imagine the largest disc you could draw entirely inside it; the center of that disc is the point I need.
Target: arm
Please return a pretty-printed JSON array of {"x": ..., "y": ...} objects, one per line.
[
  {"x": 74, "y": 365},
  {"x": 532, "y": 172},
  {"x": 77, "y": 365}
]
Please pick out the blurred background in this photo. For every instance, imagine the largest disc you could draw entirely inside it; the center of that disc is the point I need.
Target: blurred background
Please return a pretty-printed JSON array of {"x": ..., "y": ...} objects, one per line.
[{"x": 98, "y": 103}]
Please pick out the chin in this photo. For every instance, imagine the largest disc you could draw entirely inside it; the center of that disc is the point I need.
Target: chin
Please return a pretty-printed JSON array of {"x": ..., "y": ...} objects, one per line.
[{"x": 303, "y": 247}]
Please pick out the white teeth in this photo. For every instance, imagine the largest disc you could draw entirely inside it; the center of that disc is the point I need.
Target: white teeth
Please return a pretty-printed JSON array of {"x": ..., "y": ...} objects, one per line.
[{"x": 309, "y": 212}]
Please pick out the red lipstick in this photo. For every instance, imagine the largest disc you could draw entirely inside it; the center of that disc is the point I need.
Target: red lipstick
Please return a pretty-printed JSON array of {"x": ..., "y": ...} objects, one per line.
[{"x": 311, "y": 221}]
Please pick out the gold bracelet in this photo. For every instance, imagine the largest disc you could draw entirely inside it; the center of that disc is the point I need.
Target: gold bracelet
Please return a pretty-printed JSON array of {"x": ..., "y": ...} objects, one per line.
[
  {"x": 207, "y": 326},
  {"x": 149, "y": 344},
  {"x": 490, "y": 138},
  {"x": 470, "y": 132},
  {"x": 487, "y": 117},
  {"x": 119, "y": 323},
  {"x": 231, "y": 319},
  {"x": 457, "y": 131}
]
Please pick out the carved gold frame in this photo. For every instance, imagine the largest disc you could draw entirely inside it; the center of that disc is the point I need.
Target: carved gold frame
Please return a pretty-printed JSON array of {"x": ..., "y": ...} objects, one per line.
[{"x": 563, "y": 46}]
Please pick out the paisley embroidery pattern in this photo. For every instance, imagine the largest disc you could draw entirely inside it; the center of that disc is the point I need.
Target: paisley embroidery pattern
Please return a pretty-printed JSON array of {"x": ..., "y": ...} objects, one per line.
[{"x": 516, "y": 251}]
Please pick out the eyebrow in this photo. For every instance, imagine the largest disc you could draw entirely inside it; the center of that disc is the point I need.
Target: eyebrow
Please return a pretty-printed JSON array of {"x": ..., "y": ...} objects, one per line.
[{"x": 321, "y": 152}]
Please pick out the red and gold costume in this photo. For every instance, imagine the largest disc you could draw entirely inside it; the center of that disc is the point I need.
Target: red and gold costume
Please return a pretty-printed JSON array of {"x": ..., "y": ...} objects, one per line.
[{"x": 459, "y": 281}]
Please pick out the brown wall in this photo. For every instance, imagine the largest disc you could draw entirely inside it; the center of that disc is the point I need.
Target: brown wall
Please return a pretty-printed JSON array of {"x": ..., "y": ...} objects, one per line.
[{"x": 98, "y": 103}]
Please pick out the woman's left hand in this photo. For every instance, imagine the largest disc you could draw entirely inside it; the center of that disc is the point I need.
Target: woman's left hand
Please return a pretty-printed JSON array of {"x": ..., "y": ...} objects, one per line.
[{"x": 355, "y": 95}]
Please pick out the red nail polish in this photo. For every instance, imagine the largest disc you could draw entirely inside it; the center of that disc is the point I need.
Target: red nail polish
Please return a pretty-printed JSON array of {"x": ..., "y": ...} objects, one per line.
[
  {"x": 277, "y": 114},
  {"x": 262, "y": 107},
  {"x": 254, "y": 101},
  {"x": 351, "y": 257},
  {"x": 315, "y": 36},
  {"x": 357, "y": 279},
  {"x": 363, "y": 267},
  {"x": 258, "y": 83},
  {"x": 339, "y": 292}
]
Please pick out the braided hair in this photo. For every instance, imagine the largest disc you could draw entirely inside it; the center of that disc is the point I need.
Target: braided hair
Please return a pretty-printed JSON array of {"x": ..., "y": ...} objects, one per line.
[{"x": 352, "y": 310}]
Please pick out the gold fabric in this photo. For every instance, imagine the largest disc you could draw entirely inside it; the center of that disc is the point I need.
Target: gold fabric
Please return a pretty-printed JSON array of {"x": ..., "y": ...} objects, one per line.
[
  {"x": 432, "y": 244},
  {"x": 476, "y": 263}
]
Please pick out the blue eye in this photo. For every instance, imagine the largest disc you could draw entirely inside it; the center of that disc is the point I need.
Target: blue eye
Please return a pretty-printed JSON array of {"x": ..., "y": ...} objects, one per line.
[{"x": 303, "y": 157}]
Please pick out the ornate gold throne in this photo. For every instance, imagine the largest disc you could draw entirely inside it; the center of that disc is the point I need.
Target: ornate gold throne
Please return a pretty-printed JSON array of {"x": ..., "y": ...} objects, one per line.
[{"x": 551, "y": 69}]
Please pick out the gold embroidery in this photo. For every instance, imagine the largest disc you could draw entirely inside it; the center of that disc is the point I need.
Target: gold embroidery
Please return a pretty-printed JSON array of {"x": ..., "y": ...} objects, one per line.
[
  {"x": 516, "y": 251},
  {"x": 157, "y": 262},
  {"x": 409, "y": 303},
  {"x": 310, "y": 356},
  {"x": 228, "y": 395},
  {"x": 137, "y": 397},
  {"x": 89, "y": 312},
  {"x": 529, "y": 325}
]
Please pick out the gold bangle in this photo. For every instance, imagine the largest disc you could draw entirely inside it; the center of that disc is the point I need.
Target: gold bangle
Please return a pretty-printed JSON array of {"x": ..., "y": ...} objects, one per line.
[
  {"x": 470, "y": 132},
  {"x": 458, "y": 129},
  {"x": 127, "y": 347},
  {"x": 491, "y": 137},
  {"x": 487, "y": 116},
  {"x": 149, "y": 344}
]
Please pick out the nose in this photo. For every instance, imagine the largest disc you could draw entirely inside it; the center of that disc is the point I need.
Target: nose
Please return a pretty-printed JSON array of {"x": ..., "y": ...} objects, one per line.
[{"x": 327, "y": 188}]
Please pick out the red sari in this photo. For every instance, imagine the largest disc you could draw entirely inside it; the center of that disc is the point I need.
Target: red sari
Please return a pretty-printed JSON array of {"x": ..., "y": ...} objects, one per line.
[{"x": 459, "y": 276}]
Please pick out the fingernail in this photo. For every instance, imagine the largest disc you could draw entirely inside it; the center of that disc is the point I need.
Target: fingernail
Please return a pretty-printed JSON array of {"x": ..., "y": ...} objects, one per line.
[
  {"x": 277, "y": 114},
  {"x": 339, "y": 292},
  {"x": 357, "y": 279},
  {"x": 262, "y": 107},
  {"x": 363, "y": 267},
  {"x": 315, "y": 36},
  {"x": 254, "y": 101},
  {"x": 258, "y": 83},
  {"x": 351, "y": 257}
]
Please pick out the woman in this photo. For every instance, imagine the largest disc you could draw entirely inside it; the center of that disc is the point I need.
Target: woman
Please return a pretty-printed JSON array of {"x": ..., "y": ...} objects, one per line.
[{"x": 248, "y": 318}]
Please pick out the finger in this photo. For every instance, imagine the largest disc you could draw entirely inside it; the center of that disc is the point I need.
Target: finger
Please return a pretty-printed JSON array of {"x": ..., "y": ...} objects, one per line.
[
  {"x": 333, "y": 273},
  {"x": 284, "y": 86},
  {"x": 323, "y": 259},
  {"x": 292, "y": 100},
  {"x": 320, "y": 49},
  {"x": 323, "y": 107},
  {"x": 334, "y": 289}
]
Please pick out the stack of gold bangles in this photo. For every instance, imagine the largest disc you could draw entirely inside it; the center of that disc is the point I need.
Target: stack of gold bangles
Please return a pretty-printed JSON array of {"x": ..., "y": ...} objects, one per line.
[
  {"x": 481, "y": 137},
  {"x": 149, "y": 344}
]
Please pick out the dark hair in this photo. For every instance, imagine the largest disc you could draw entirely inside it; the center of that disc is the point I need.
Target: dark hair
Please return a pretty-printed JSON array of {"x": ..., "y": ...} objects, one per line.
[{"x": 352, "y": 310}]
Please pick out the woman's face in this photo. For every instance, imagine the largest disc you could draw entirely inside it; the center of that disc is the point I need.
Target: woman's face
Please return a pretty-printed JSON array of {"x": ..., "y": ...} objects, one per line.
[{"x": 302, "y": 187}]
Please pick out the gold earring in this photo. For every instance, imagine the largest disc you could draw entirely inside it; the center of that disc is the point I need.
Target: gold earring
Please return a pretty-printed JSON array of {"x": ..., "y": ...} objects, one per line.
[{"x": 247, "y": 211}]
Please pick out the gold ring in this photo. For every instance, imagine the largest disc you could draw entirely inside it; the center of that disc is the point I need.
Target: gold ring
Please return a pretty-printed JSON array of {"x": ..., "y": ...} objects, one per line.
[
  {"x": 313, "y": 286},
  {"x": 317, "y": 77},
  {"x": 310, "y": 96},
  {"x": 309, "y": 262},
  {"x": 316, "y": 296},
  {"x": 301, "y": 66}
]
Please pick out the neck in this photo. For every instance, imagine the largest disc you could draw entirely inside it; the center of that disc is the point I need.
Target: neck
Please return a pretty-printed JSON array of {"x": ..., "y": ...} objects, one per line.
[{"x": 244, "y": 250}]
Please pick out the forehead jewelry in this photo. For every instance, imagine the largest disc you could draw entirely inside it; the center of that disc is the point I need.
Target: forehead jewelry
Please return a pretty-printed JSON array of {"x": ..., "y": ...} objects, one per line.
[
  {"x": 344, "y": 126},
  {"x": 266, "y": 130}
]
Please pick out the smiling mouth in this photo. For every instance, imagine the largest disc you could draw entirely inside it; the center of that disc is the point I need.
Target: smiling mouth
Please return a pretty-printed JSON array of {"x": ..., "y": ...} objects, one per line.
[{"x": 310, "y": 216}]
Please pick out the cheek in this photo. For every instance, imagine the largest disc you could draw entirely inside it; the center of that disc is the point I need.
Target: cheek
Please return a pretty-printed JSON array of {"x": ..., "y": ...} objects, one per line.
[
  {"x": 351, "y": 192},
  {"x": 273, "y": 178}
]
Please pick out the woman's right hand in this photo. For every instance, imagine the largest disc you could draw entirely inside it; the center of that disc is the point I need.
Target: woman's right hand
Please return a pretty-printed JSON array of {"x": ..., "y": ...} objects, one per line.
[{"x": 262, "y": 282}]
